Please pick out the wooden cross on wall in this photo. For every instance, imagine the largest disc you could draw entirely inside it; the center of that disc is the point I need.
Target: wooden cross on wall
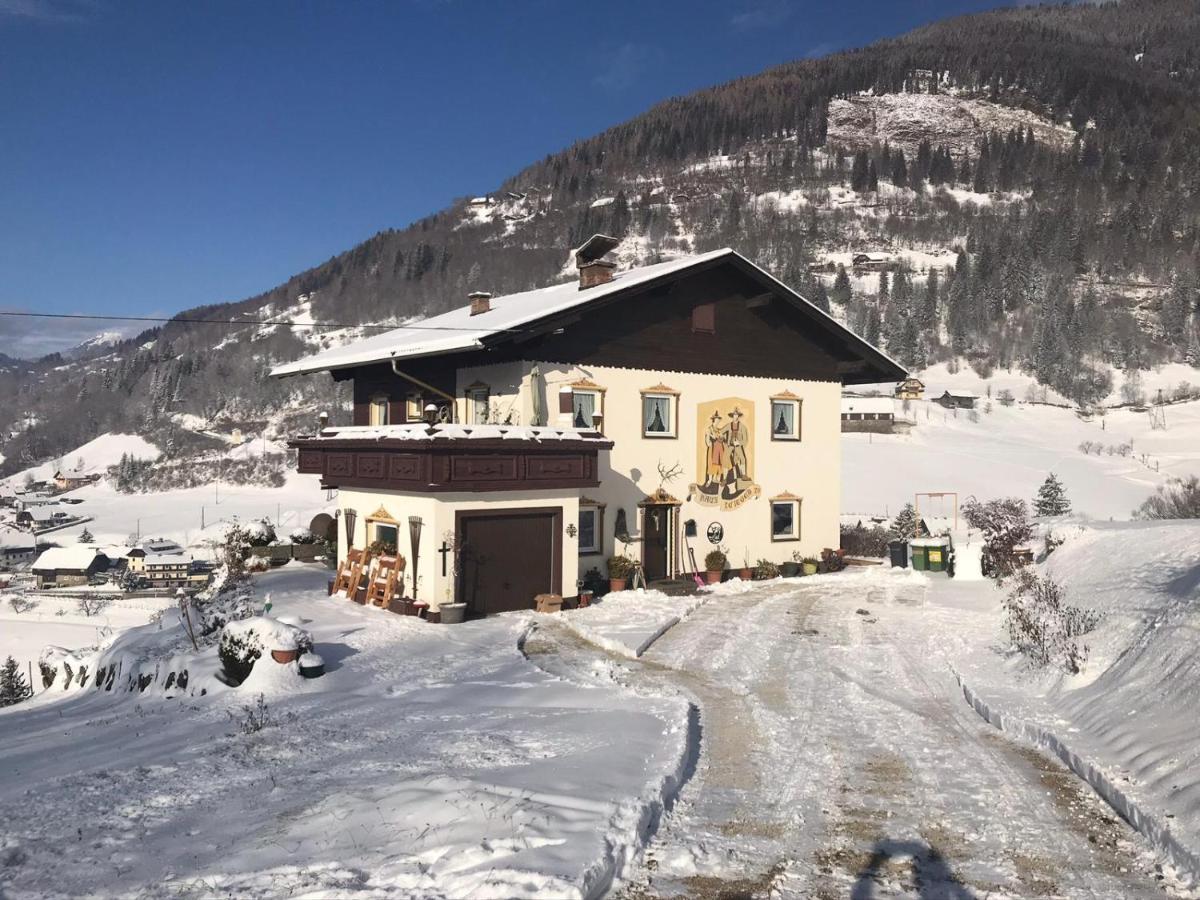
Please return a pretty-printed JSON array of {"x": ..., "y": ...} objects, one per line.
[{"x": 445, "y": 550}]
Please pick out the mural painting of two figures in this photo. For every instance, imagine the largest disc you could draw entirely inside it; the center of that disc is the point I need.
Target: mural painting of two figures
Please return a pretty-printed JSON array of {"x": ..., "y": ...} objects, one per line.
[{"x": 725, "y": 445}]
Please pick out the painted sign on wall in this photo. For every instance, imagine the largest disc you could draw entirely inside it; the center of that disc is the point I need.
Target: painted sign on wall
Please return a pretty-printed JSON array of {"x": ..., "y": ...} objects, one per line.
[{"x": 724, "y": 454}]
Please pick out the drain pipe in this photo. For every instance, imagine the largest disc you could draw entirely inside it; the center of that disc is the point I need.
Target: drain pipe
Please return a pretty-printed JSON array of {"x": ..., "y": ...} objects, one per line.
[{"x": 428, "y": 387}]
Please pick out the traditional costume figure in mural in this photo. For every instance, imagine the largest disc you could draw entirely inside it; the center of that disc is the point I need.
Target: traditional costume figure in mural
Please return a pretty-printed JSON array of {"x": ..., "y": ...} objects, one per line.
[
  {"x": 738, "y": 465},
  {"x": 715, "y": 457},
  {"x": 725, "y": 453}
]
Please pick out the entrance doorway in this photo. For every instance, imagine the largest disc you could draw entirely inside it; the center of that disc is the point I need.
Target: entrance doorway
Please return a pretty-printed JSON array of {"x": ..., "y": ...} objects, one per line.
[{"x": 657, "y": 528}]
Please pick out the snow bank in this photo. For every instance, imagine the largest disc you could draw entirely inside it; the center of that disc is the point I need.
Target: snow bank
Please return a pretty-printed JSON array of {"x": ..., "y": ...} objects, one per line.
[
  {"x": 428, "y": 761},
  {"x": 628, "y": 622},
  {"x": 1126, "y": 723}
]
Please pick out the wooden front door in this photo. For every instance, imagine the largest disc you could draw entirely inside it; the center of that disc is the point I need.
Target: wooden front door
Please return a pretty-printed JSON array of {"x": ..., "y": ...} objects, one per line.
[
  {"x": 508, "y": 558},
  {"x": 656, "y": 531}
]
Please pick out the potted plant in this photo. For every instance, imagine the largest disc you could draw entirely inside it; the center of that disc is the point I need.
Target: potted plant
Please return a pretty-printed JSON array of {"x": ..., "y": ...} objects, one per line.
[
  {"x": 810, "y": 565},
  {"x": 714, "y": 565},
  {"x": 790, "y": 569},
  {"x": 745, "y": 572},
  {"x": 619, "y": 570},
  {"x": 765, "y": 569}
]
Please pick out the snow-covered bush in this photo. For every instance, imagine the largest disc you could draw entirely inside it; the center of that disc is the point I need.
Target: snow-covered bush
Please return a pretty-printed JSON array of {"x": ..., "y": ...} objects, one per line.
[
  {"x": 1043, "y": 626},
  {"x": 244, "y": 641},
  {"x": 1004, "y": 523},
  {"x": 21, "y": 604},
  {"x": 858, "y": 540},
  {"x": 255, "y": 716},
  {"x": 256, "y": 564},
  {"x": 303, "y": 536},
  {"x": 1179, "y": 498},
  {"x": 91, "y": 605}
]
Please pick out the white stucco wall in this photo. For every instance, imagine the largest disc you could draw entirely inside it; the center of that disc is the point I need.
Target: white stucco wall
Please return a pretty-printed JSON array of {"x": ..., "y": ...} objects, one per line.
[
  {"x": 809, "y": 468},
  {"x": 437, "y": 512}
]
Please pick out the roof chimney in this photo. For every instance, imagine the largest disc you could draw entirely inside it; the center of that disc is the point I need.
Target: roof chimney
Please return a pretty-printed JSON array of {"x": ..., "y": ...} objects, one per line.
[
  {"x": 481, "y": 302},
  {"x": 589, "y": 259}
]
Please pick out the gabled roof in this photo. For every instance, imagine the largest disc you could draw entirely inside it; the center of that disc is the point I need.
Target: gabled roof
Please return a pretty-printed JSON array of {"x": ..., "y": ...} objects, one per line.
[
  {"x": 874, "y": 405},
  {"x": 510, "y": 315},
  {"x": 75, "y": 557}
]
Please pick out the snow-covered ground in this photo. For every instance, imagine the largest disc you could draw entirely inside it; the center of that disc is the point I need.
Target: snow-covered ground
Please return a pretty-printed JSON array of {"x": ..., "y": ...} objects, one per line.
[
  {"x": 1130, "y": 714},
  {"x": 430, "y": 761},
  {"x": 838, "y": 757},
  {"x": 97, "y": 454},
  {"x": 1010, "y": 450},
  {"x": 62, "y": 622},
  {"x": 628, "y": 622}
]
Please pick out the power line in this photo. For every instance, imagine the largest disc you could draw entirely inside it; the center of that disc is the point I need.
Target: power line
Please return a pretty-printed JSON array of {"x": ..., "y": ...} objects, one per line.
[{"x": 185, "y": 320}]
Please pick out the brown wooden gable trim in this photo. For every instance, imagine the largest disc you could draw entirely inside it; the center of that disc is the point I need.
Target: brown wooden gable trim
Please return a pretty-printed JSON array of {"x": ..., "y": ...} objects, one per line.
[
  {"x": 785, "y": 395},
  {"x": 661, "y": 388},
  {"x": 786, "y": 495}
]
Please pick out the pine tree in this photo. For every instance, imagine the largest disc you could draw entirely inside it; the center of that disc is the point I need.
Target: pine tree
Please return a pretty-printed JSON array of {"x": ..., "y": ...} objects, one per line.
[
  {"x": 1051, "y": 499},
  {"x": 13, "y": 687},
  {"x": 904, "y": 523},
  {"x": 841, "y": 287},
  {"x": 85, "y": 537}
]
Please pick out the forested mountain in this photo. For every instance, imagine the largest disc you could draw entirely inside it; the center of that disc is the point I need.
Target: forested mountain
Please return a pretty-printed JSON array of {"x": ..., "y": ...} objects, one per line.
[{"x": 1030, "y": 178}]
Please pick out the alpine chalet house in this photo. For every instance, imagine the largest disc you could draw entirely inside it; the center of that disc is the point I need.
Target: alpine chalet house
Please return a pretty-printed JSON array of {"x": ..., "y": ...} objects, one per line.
[{"x": 510, "y": 445}]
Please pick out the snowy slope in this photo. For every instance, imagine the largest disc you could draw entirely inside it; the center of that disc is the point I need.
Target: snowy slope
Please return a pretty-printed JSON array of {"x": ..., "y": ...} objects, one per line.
[
  {"x": 429, "y": 761},
  {"x": 1129, "y": 715},
  {"x": 98, "y": 453},
  {"x": 1010, "y": 450}
]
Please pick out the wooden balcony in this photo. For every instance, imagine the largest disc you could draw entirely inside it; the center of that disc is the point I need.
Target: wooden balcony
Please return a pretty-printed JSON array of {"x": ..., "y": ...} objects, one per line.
[{"x": 445, "y": 458}]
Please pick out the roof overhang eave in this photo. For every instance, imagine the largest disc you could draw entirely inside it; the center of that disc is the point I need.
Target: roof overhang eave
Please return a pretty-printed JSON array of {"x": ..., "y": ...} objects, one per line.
[{"x": 372, "y": 360}]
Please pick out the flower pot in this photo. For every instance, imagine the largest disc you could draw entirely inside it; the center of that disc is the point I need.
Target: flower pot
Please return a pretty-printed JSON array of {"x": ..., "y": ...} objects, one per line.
[
  {"x": 810, "y": 568},
  {"x": 311, "y": 665},
  {"x": 452, "y": 613},
  {"x": 714, "y": 577},
  {"x": 617, "y": 584},
  {"x": 285, "y": 656},
  {"x": 789, "y": 569},
  {"x": 745, "y": 573}
]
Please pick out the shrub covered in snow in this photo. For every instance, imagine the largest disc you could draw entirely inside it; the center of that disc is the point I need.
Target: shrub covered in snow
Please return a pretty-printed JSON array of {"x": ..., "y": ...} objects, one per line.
[
  {"x": 303, "y": 536},
  {"x": 1004, "y": 523},
  {"x": 1043, "y": 626},
  {"x": 858, "y": 540},
  {"x": 246, "y": 640},
  {"x": 1179, "y": 498}
]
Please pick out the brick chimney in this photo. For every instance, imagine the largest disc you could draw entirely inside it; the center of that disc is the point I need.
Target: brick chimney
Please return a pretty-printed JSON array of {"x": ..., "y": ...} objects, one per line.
[
  {"x": 593, "y": 268},
  {"x": 481, "y": 302}
]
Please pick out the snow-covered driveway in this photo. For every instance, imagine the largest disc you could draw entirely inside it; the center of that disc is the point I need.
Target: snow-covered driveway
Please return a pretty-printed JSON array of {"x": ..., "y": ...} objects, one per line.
[{"x": 838, "y": 758}]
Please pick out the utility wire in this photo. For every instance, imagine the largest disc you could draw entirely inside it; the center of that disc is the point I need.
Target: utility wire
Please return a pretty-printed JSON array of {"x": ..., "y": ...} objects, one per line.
[{"x": 239, "y": 322}]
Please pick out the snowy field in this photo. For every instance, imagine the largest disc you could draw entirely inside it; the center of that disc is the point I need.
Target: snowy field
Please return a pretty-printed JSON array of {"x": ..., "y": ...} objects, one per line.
[
  {"x": 429, "y": 761},
  {"x": 1009, "y": 452}
]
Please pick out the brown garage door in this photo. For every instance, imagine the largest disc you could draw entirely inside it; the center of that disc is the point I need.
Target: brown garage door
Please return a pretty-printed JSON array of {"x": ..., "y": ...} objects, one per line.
[{"x": 508, "y": 558}]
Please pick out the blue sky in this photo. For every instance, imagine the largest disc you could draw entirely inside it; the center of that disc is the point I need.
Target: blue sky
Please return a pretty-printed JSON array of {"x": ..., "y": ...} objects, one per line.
[{"x": 160, "y": 155}]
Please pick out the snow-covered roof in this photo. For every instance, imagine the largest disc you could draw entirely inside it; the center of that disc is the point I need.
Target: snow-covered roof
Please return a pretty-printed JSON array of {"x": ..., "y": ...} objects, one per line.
[
  {"x": 962, "y": 395},
  {"x": 14, "y": 537},
  {"x": 458, "y": 330},
  {"x": 422, "y": 432},
  {"x": 167, "y": 559},
  {"x": 159, "y": 545},
  {"x": 868, "y": 405},
  {"x": 76, "y": 556}
]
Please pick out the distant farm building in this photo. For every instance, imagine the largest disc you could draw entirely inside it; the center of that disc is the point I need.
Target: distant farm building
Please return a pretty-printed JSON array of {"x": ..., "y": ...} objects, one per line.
[
  {"x": 872, "y": 262},
  {"x": 67, "y": 566},
  {"x": 16, "y": 547},
  {"x": 869, "y": 414},
  {"x": 957, "y": 400},
  {"x": 75, "y": 478}
]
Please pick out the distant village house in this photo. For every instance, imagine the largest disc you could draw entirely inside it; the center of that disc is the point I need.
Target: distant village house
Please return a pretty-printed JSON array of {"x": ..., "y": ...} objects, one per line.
[
  {"x": 957, "y": 400},
  {"x": 68, "y": 566},
  {"x": 910, "y": 389}
]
